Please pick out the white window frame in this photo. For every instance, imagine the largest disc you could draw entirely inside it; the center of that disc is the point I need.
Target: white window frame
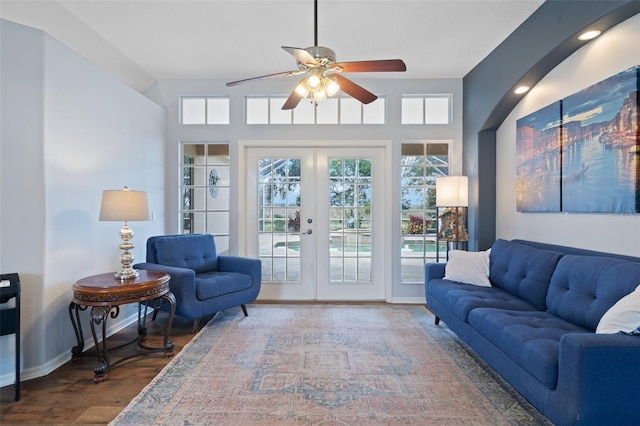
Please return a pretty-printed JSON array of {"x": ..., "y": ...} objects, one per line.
[
  {"x": 205, "y": 185},
  {"x": 425, "y": 98},
  {"x": 276, "y": 101},
  {"x": 206, "y": 99},
  {"x": 425, "y": 238}
]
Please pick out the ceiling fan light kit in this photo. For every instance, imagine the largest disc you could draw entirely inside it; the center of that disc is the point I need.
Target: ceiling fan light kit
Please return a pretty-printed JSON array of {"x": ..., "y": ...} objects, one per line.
[
  {"x": 325, "y": 77},
  {"x": 318, "y": 87}
]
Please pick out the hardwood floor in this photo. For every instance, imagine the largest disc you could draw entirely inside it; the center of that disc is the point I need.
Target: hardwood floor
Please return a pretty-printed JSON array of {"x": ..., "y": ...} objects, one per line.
[{"x": 68, "y": 395}]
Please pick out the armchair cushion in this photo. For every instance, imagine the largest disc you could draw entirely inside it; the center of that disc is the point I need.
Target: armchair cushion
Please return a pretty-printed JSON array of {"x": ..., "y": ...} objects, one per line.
[
  {"x": 214, "y": 284},
  {"x": 197, "y": 252}
]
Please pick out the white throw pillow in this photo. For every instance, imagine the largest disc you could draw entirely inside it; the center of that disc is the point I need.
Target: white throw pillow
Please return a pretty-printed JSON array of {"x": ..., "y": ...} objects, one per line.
[
  {"x": 623, "y": 316},
  {"x": 468, "y": 267}
]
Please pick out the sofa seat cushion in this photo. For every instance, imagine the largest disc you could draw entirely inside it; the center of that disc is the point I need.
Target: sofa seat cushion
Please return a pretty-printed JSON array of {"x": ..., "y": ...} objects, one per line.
[
  {"x": 584, "y": 288},
  {"x": 461, "y": 298},
  {"x": 522, "y": 270},
  {"x": 530, "y": 339},
  {"x": 214, "y": 284}
]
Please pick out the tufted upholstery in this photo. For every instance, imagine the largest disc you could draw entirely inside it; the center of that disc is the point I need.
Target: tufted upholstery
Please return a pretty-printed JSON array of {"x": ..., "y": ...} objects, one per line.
[
  {"x": 463, "y": 298},
  {"x": 197, "y": 252},
  {"x": 536, "y": 327},
  {"x": 531, "y": 339},
  {"x": 202, "y": 281},
  {"x": 522, "y": 270},
  {"x": 584, "y": 288}
]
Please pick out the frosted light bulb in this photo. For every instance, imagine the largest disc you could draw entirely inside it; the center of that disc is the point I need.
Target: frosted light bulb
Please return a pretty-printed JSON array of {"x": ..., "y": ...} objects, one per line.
[
  {"x": 331, "y": 86},
  {"x": 313, "y": 81}
]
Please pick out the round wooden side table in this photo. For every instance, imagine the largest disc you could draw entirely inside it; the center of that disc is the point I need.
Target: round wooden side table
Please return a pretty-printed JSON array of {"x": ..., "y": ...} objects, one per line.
[{"x": 104, "y": 294}]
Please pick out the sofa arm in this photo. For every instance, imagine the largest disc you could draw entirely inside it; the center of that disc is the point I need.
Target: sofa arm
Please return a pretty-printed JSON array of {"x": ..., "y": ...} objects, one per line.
[
  {"x": 182, "y": 283},
  {"x": 245, "y": 265},
  {"x": 433, "y": 271},
  {"x": 598, "y": 378}
]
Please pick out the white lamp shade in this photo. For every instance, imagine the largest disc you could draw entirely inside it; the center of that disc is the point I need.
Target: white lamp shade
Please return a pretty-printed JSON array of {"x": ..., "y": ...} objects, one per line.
[
  {"x": 124, "y": 205},
  {"x": 452, "y": 191}
]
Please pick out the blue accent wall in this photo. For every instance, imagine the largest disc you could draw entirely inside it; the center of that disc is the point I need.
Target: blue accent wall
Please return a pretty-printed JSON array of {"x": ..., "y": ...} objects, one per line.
[{"x": 543, "y": 41}]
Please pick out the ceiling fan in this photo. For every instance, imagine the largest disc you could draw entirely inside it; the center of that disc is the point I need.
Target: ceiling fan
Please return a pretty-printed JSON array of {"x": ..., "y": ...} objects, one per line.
[{"x": 325, "y": 74}]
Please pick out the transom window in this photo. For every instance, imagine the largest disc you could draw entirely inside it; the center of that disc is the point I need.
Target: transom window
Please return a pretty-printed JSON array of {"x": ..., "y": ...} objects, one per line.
[
  {"x": 426, "y": 109},
  {"x": 204, "y": 110},
  {"x": 268, "y": 110}
]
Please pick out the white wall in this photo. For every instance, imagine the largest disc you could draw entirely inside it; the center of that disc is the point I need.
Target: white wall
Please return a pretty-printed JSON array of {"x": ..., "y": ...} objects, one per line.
[
  {"x": 22, "y": 180},
  {"x": 614, "y": 51},
  {"x": 69, "y": 131}
]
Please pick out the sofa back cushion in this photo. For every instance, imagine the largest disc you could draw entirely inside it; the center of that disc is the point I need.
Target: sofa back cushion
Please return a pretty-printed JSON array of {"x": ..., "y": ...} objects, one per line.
[
  {"x": 522, "y": 270},
  {"x": 193, "y": 251},
  {"x": 583, "y": 288}
]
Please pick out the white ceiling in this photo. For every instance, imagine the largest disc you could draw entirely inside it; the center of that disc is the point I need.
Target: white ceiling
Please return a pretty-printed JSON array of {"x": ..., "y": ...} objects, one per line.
[{"x": 146, "y": 40}]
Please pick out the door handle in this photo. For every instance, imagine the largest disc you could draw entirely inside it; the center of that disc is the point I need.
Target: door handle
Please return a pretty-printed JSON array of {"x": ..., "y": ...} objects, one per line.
[{"x": 309, "y": 232}]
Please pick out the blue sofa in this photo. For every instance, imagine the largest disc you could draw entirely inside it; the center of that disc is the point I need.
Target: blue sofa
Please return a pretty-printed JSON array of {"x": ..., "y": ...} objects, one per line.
[
  {"x": 536, "y": 327},
  {"x": 202, "y": 281}
]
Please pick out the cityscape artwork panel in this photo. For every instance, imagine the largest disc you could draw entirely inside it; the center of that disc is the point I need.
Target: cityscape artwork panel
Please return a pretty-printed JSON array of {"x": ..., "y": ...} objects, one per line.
[
  {"x": 538, "y": 160},
  {"x": 582, "y": 154}
]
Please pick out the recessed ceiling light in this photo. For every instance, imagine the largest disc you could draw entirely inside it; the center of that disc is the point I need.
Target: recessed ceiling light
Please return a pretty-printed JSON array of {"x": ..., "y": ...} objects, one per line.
[
  {"x": 521, "y": 89},
  {"x": 588, "y": 35}
]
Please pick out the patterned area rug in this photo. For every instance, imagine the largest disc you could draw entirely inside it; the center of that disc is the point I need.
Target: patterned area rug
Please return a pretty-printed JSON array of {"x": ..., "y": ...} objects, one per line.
[{"x": 327, "y": 365}]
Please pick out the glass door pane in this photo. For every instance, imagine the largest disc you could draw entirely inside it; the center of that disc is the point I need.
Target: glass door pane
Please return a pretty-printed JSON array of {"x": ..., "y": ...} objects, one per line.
[
  {"x": 350, "y": 220},
  {"x": 280, "y": 205},
  {"x": 279, "y": 196},
  {"x": 351, "y": 223}
]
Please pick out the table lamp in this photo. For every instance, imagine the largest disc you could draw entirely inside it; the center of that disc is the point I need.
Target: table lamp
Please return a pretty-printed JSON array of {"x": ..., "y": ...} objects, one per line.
[{"x": 125, "y": 205}]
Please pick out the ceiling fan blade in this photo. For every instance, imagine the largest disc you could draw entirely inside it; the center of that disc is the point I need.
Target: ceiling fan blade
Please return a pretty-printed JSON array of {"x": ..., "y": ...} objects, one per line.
[
  {"x": 302, "y": 55},
  {"x": 293, "y": 100},
  {"x": 278, "y": 74},
  {"x": 352, "y": 89},
  {"x": 382, "y": 65}
]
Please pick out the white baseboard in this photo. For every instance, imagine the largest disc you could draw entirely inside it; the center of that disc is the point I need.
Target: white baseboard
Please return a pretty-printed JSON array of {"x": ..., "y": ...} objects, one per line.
[
  {"x": 62, "y": 358},
  {"x": 407, "y": 300}
]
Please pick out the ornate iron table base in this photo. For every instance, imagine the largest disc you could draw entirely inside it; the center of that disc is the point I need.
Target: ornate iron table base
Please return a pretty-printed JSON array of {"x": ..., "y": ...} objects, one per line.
[
  {"x": 150, "y": 291},
  {"x": 99, "y": 316}
]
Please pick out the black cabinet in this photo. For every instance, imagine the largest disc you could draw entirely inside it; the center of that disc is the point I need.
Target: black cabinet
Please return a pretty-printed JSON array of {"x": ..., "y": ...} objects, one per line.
[{"x": 10, "y": 317}]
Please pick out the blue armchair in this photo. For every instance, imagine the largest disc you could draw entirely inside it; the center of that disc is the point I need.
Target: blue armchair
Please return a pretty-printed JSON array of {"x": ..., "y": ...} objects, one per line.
[{"x": 202, "y": 281}]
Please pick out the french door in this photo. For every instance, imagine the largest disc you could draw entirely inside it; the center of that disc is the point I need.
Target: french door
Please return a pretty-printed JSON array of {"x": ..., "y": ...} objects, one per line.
[{"x": 315, "y": 216}]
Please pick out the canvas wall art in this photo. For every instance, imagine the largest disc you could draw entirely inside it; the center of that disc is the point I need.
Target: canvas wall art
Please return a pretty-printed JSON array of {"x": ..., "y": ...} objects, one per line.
[
  {"x": 582, "y": 153},
  {"x": 538, "y": 160},
  {"x": 600, "y": 147}
]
